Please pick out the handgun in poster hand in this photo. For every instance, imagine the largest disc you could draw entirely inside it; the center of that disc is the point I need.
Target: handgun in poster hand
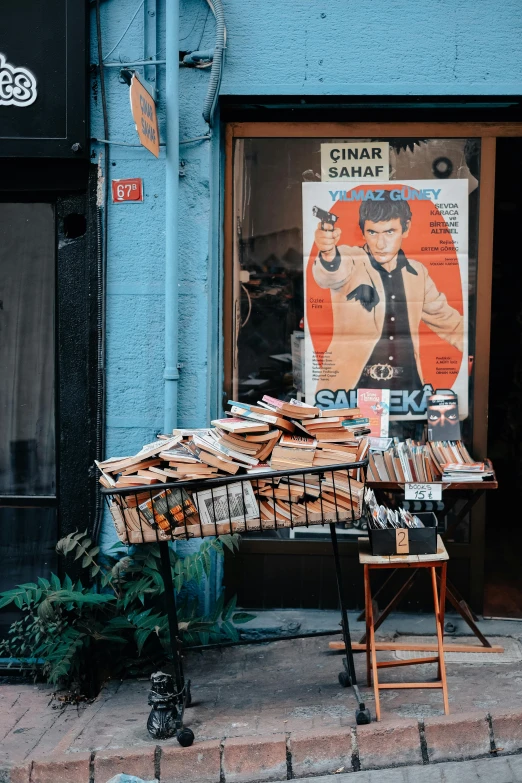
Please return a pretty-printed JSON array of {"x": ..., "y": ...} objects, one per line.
[{"x": 325, "y": 217}]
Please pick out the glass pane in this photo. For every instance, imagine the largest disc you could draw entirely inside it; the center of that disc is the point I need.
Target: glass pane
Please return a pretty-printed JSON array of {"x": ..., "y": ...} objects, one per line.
[
  {"x": 27, "y": 550},
  {"x": 438, "y": 181},
  {"x": 27, "y": 367}
]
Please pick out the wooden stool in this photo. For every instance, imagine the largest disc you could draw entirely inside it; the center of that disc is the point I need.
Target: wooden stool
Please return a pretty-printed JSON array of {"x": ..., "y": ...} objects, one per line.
[{"x": 369, "y": 561}]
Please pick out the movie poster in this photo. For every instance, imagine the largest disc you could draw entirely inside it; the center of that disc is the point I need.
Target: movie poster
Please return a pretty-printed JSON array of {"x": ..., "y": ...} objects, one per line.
[{"x": 386, "y": 292}]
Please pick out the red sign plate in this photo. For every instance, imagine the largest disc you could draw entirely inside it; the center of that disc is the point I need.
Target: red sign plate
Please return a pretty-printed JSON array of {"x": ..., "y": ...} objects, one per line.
[{"x": 127, "y": 190}]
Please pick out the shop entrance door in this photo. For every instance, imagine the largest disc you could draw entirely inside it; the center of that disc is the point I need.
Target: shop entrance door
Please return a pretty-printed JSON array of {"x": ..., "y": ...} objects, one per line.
[
  {"x": 503, "y": 579},
  {"x": 28, "y": 371}
]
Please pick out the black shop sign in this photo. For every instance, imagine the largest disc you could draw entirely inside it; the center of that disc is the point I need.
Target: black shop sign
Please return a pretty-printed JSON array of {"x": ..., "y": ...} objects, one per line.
[{"x": 43, "y": 78}]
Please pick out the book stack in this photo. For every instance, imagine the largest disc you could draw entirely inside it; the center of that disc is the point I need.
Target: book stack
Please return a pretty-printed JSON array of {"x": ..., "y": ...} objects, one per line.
[
  {"x": 293, "y": 451},
  {"x": 273, "y": 435},
  {"x": 296, "y": 500},
  {"x": 403, "y": 462},
  {"x": 446, "y": 452},
  {"x": 310, "y": 436},
  {"x": 409, "y": 461}
]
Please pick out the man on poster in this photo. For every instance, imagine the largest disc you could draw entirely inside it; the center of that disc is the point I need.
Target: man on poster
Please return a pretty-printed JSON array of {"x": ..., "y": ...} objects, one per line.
[{"x": 379, "y": 298}]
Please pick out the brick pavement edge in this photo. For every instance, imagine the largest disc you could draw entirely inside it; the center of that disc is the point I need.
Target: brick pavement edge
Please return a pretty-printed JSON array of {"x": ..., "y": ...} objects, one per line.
[
  {"x": 247, "y": 759},
  {"x": 381, "y": 745},
  {"x": 201, "y": 763},
  {"x": 507, "y": 731},
  {"x": 389, "y": 743},
  {"x": 458, "y": 736},
  {"x": 321, "y": 752}
]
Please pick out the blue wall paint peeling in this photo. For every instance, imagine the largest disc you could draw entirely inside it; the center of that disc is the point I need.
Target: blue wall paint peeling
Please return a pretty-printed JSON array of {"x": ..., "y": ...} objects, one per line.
[{"x": 398, "y": 47}]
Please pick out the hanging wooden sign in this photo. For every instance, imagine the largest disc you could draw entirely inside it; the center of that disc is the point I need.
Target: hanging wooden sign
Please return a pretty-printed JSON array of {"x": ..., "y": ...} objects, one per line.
[{"x": 144, "y": 113}]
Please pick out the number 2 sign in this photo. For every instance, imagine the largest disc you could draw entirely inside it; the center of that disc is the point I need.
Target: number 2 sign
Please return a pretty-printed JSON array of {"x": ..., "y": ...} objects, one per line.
[
  {"x": 402, "y": 541},
  {"x": 127, "y": 190}
]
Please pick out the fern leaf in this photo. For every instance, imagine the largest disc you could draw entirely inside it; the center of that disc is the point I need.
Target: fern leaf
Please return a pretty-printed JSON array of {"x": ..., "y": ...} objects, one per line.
[
  {"x": 207, "y": 562},
  {"x": 230, "y": 608},
  {"x": 8, "y": 597},
  {"x": 228, "y": 629},
  {"x": 218, "y": 609},
  {"x": 243, "y": 617},
  {"x": 118, "y": 624},
  {"x": 200, "y": 570},
  {"x": 228, "y": 541}
]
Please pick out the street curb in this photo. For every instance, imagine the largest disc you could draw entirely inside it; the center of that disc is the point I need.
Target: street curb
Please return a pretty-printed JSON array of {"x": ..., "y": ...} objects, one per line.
[{"x": 296, "y": 755}]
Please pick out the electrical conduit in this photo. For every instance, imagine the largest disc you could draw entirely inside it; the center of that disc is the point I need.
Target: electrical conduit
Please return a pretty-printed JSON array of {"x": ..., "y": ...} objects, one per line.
[{"x": 217, "y": 63}]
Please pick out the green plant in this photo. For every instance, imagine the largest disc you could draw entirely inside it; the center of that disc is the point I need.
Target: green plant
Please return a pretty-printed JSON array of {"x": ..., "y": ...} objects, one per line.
[{"x": 70, "y": 631}]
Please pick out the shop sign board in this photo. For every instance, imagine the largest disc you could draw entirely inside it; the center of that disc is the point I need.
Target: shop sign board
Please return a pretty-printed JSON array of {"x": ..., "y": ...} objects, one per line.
[
  {"x": 17, "y": 85},
  {"x": 144, "y": 113},
  {"x": 44, "y": 80},
  {"x": 345, "y": 161},
  {"x": 127, "y": 190}
]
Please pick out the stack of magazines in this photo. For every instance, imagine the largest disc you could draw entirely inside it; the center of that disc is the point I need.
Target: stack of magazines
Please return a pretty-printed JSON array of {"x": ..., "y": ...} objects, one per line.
[{"x": 474, "y": 471}]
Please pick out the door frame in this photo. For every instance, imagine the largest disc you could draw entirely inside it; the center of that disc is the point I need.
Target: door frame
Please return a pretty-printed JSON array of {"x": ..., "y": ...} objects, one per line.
[{"x": 75, "y": 339}]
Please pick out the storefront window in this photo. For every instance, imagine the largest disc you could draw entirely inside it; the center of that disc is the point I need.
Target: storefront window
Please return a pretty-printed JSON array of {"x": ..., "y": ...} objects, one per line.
[{"x": 317, "y": 321}]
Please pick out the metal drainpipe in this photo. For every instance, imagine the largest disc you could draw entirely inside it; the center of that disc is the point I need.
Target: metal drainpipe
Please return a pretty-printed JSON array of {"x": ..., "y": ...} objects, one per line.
[{"x": 171, "y": 372}]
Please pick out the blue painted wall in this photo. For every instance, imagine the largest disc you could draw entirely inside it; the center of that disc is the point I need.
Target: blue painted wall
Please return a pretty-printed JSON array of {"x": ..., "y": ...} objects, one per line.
[{"x": 399, "y": 47}]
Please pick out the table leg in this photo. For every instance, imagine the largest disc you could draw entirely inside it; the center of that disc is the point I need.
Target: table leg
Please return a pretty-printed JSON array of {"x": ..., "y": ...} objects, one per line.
[
  {"x": 443, "y": 582},
  {"x": 361, "y": 617},
  {"x": 368, "y": 615},
  {"x": 440, "y": 642},
  {"x": 462, "y": 608},
  {"x": 373, "y": 652},
  {"x": 344, "y": 613},
  {"x": 460, "y": 599},
  {"x": 393, "y": 603},
  {"x": 474, "y": 497}
]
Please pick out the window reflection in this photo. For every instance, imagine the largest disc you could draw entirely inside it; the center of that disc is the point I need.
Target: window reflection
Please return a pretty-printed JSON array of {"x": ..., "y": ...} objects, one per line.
[{"x": 27, "y": 368}]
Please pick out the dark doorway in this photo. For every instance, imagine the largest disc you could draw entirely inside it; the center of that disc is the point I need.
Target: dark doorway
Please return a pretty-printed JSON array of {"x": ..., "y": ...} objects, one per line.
[
  {"x": 48, "y": 378},
  {"x": 503, "y": 575},
  {"x": 27, "y": 393}
]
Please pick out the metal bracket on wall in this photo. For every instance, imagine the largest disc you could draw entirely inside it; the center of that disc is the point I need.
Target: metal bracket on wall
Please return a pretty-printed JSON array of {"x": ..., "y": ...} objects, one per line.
[{"x": 150, "y": 45}]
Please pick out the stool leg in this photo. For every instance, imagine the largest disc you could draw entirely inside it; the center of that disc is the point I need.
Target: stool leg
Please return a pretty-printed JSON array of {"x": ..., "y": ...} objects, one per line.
[
  {"x": 442, "y": 665},
  {"x": 367, "y": 617},
  {"x": 442, "y": 594},
  {"x": 373, "y": 653},
  {"x": 442, "y": 605}
]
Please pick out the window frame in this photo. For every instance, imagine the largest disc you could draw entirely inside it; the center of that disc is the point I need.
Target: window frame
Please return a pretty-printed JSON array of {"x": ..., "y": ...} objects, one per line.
[{"x": 487, "y": 132}]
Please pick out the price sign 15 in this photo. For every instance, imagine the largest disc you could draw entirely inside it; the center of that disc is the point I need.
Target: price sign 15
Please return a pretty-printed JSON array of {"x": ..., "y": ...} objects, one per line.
[
  {"x": 127, "y": 190},
  {"x": 423, "y": 491}
]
